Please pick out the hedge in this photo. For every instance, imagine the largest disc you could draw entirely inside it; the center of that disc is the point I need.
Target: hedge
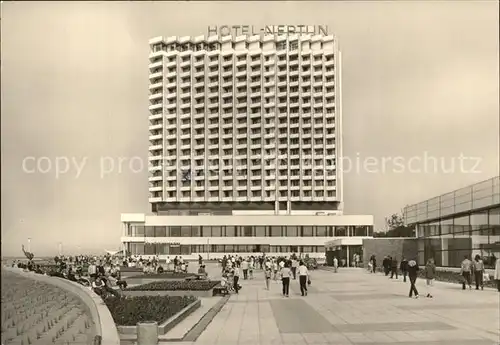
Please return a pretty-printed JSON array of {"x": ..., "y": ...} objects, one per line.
[{"x": 176, "y": 285}]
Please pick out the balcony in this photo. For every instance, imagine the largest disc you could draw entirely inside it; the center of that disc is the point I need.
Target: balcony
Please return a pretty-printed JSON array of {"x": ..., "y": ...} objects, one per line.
[
  {"x": 157, "y": 95},
  {"x": 156, "y": 126},
  {"x": 156, "y": 86},
  {"x": 155, "y": 65},
  {"x": 155, "y": 116},
  {"x": 156, "y": 106},
  {"x": 157, "y": 75}
]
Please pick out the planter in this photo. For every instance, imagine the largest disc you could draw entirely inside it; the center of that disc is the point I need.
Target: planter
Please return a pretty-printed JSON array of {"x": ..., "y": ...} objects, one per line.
[
  {"x": 165, "y": 275},
  {"x": 196, "y": 293},
  {"x": 164, "y": 327}
]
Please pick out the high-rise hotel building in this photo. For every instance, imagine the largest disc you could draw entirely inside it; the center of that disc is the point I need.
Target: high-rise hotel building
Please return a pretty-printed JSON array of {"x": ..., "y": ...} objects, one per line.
[{"x": 244, "y": 147}]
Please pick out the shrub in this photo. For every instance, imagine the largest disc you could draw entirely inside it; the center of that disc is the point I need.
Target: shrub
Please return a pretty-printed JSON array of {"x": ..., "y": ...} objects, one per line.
[
  {"x": 128, "y": 311},
  {"x": 165, "y": 275},
  {"x": 176, "y": 285},
  {"x": 454, "y": 277}
]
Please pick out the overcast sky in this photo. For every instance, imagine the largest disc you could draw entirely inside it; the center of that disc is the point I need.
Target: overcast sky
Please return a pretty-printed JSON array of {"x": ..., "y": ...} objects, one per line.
[{"x": 419, "y": 79}]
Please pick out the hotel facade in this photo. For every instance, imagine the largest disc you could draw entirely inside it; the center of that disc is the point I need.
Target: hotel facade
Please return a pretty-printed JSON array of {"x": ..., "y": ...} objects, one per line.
[{"x": 245, "y": 146}]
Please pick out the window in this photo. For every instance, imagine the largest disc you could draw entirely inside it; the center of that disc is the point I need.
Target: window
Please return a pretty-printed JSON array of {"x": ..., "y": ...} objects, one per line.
[
  {"x": 291, "y": 231},
  {"x": 230, "y": 231},
  {"x": 260, "y": 231},
  {"x": 186, "y": 231},
  {"x": 195, "y": 231},
  {"x": 248, "y": 231},
  {"x": 321, "y": 231},
  {"x": 150, "y": 231},
  {"x": 340, "y": 231},
  {"x": 275, "y": 231},
  {"x": 307, "y": 231},
  {"x": 360, "y": 231},
  {"x": 175, "y": 231},
  {"x": 139, "y": 230},
  {"x": 216, "y": 231}
]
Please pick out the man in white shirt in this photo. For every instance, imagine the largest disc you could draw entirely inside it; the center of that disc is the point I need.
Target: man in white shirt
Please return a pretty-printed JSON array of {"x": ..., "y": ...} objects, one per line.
[
  {"x": 303, "y": 278},
  {"x": 244, "y": 267},
  {"x": 236, "y": 279},
  {"x": 92, "y": 270},
  {"x": 295, "y": 265},
  {"x": 169, "y": 264}
]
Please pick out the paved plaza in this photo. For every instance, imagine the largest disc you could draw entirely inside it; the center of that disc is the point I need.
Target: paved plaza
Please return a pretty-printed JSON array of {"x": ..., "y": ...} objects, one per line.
[{"x": 355, "y": 307}]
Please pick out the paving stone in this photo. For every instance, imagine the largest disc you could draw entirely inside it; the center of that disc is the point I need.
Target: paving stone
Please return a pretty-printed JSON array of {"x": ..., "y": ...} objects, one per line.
[
  {"x": 393, "y": 326},
  {"x": 353, "y": 307},
  {"x": 296, "y": 316},
  {"x": 364, "y": 297}
]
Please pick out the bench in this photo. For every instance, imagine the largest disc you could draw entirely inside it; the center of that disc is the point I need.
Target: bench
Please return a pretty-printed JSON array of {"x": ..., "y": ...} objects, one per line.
[{"x": 220, "y": 290}]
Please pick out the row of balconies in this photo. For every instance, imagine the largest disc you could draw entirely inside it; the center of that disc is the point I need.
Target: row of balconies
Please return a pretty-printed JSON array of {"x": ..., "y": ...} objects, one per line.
[
  {"x": 237, "y": 79},
  {"x": 241, "y": 73},
  {"x": 330, "y": 179},
  {"x": 158, "y": 63}
]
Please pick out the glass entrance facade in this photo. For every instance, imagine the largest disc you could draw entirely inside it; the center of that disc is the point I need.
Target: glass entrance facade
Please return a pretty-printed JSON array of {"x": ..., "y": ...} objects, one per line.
[{"x": 464, "y": 222}]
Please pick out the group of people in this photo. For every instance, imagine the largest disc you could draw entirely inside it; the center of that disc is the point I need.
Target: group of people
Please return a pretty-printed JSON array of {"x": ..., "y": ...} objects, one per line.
[
  {"x": 102, "y": 274},
  {"x": 282, "y": 268},
  {"x": 152, "y": 264},
  {"x": 469, "y": 269}
]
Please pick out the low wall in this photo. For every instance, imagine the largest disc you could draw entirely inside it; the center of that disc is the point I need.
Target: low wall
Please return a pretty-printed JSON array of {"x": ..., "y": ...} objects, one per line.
[
  {"x": 104, "y": 323},
  {"x": 395, "y": 247}
]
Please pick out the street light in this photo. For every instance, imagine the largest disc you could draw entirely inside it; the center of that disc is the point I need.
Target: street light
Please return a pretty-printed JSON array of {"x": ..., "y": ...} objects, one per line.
[{"x": 29, "y": 244}]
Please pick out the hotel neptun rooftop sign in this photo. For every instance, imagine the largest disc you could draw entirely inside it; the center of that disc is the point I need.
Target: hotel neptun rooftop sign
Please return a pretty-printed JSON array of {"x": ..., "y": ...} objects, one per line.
[{"x": 250, "y": 30}]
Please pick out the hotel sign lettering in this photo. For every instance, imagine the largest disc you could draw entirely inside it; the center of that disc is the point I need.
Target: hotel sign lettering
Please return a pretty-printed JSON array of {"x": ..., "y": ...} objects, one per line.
[{"x": 237, "y": 30}]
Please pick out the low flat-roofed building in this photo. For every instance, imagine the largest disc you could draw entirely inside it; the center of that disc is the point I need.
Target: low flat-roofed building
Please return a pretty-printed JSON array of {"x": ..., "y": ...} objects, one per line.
[
  {"x": 213, "y": 236},
  {"x": 463, "y": 222}
]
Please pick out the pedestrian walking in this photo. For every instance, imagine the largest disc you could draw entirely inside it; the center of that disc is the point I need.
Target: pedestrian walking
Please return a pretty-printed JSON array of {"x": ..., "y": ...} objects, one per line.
[
  {"x": 285, "y": 274},
  {"x": 267, "y": 274},
  {"x": 412, "y": 275},
  {"x": 394, "y": 267},
  {"x": 478, "y": 265},
  {"x": 465, "y": 270},
  {"x": 496, "y": 275},
  {"x": 404, "y": 268},
  {"x": 303, "y": 278},
  {"x": 430, "y": 273}
]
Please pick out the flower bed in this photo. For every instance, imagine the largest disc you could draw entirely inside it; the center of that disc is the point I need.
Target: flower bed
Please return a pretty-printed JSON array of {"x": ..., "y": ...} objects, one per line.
[
  {"x": 198, "y": 288},
  {"x": 166, "y": 275},
  {"x": 130, "y": 311},
  {"x": 179, "y": 285}
]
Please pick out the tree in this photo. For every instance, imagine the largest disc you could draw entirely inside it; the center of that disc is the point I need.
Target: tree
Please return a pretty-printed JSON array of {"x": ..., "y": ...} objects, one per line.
[
  {"x": 395, "y": 227},
  {"x": 394, "y": 221}
]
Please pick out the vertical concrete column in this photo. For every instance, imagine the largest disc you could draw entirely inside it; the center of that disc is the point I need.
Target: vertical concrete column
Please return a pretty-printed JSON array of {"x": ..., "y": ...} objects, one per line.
[
  {"x": 289, "y": 207},
  {"x": 147, "y": 333},
  {"x": 276, "y": 206}
]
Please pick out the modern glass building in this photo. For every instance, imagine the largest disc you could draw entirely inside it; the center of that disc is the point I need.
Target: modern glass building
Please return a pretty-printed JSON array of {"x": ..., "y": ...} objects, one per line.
[{"x": 463, "y": 222}]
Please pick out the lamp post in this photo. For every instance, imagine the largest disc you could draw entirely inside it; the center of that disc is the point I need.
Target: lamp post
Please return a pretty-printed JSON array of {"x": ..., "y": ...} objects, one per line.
[
  {"x": 60, "y": 249},
  {"x": 29, "y": 244}
]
